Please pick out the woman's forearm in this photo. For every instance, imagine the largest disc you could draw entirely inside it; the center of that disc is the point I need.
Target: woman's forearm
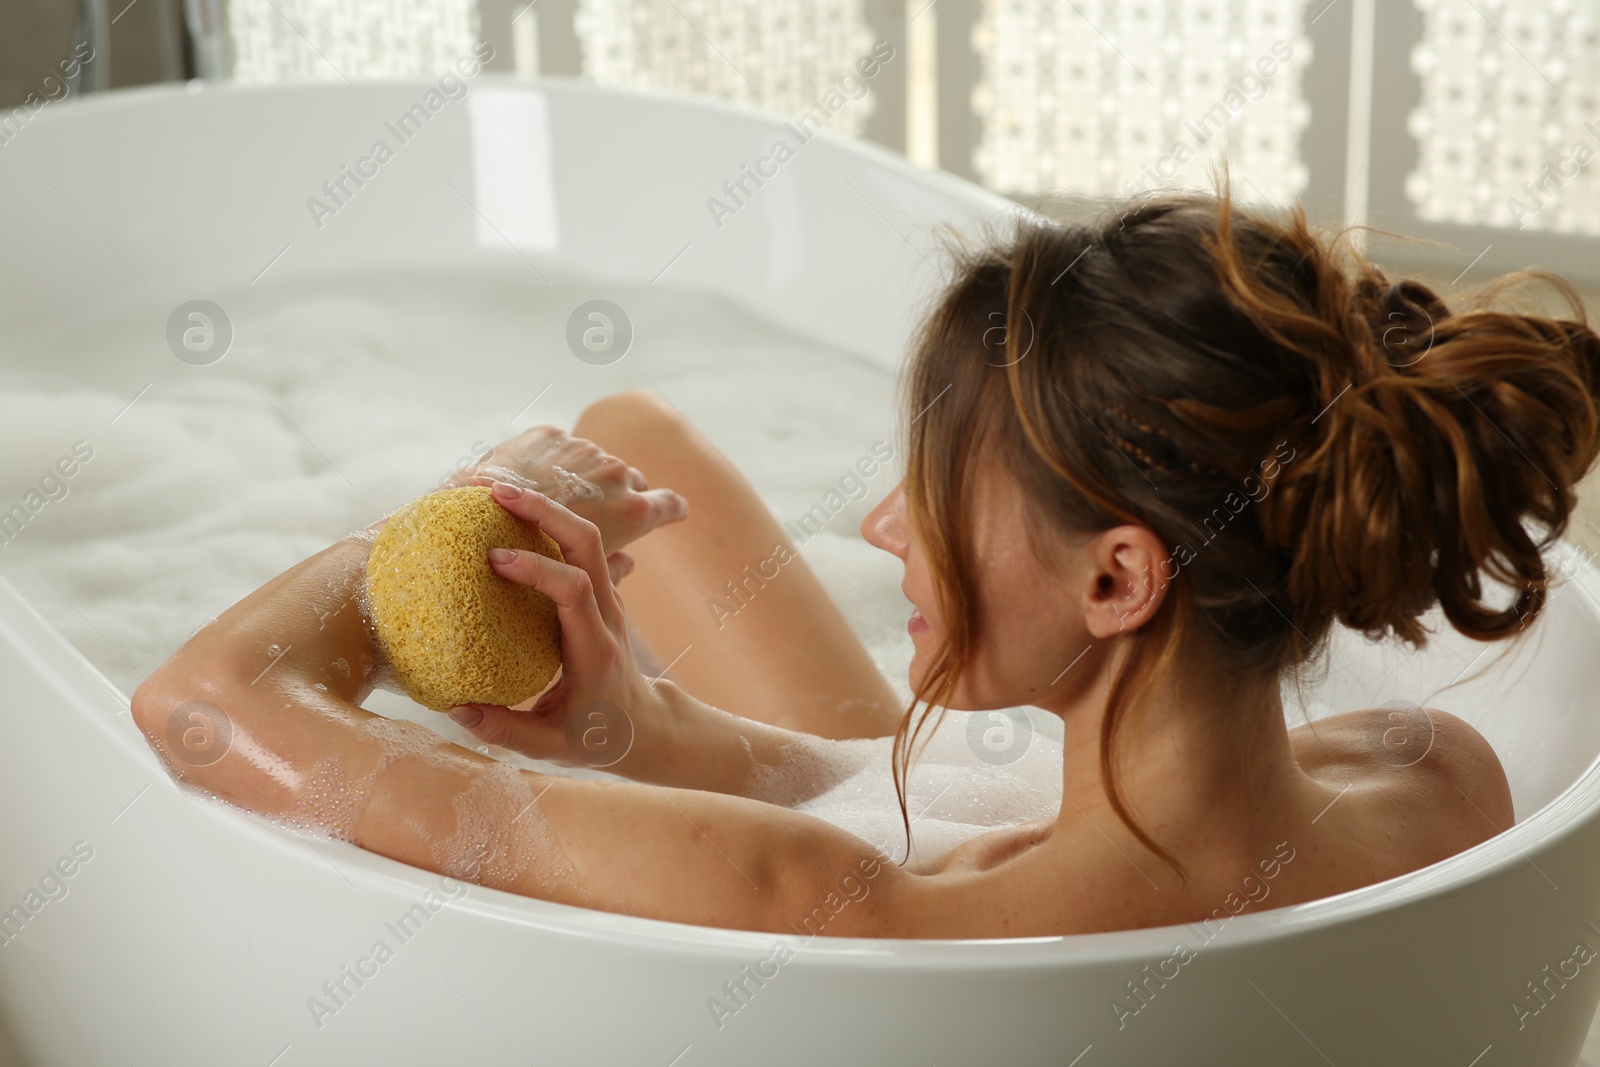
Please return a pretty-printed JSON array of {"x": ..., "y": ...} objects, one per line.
[
  {"x": 276, "y": 681},
  {"x": 704, "y": 747}
]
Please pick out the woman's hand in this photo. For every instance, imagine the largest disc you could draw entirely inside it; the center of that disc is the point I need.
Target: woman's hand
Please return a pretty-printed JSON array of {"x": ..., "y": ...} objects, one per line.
[
  {"x": 583, "y": 477},
  {"x": 602, "y": 712}
]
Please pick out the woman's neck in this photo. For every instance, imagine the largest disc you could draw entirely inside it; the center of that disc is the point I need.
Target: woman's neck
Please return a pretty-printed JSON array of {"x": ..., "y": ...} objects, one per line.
[{"x": 1203, "y": 761}]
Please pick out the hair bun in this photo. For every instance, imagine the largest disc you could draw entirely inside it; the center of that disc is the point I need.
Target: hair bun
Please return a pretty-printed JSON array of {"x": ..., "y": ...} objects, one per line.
[
  {"x": 1403, "y": 318},
  {"x": 1442, "y": 435}
]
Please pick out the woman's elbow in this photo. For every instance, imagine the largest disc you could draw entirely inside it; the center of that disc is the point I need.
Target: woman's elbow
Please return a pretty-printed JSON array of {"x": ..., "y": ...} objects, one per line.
[{"x": 179, "y": 709}]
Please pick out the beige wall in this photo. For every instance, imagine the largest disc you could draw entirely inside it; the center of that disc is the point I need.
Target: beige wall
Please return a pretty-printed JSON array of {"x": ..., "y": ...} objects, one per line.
[
  {"x": 38, "y": 34},
  {"x": 145, "y": 43}
]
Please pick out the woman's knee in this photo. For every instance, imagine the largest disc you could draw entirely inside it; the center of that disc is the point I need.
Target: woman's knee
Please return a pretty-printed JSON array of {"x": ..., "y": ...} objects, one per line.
[{"x": 622, "y": 421}]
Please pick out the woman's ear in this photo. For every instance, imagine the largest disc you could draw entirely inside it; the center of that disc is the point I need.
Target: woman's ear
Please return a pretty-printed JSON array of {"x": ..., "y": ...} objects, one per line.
[{"x": 1128, "y": 580}]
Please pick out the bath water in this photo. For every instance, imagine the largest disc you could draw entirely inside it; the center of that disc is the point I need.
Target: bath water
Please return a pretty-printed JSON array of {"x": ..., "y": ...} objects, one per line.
[{"x": 343, "y": 398}]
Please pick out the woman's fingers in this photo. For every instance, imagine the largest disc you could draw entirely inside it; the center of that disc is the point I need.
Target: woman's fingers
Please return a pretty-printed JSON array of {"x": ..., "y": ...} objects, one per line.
[
  {"x": 620, "y": 565},
  {"x": 577, "y": 537},
  {"x": 666, "y": 505},
  {"x": 583, "y": 618},
  {"x": 532, "y": 735},
  {"x": 598, "y": 734},
  {"x": 658, "y": 508}
]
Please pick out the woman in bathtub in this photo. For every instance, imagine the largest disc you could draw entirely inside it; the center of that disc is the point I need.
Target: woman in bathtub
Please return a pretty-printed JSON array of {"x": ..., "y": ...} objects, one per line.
[{"x": 1150, "y": 463}]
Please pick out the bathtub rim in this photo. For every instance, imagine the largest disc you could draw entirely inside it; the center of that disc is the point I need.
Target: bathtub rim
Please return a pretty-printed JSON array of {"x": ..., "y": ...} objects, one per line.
[
  {"x": 971, "y": 201},
  {"x": 969, "y": 194}
]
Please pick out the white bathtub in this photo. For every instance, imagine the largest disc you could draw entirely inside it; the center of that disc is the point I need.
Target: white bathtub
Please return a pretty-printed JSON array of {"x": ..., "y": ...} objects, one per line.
[{"x": 195, "y": 934}]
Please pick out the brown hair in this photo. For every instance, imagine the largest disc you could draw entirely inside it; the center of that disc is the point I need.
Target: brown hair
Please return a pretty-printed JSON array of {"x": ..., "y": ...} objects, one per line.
[{"x": 1144, "y": 367}]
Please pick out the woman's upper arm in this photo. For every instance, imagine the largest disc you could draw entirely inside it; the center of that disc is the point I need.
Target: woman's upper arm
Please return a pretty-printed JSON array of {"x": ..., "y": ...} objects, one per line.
[
  {"x": 674, "y": 854},
  {"x": 398, "y": 789},
  {"x": 295, "y": 743}
]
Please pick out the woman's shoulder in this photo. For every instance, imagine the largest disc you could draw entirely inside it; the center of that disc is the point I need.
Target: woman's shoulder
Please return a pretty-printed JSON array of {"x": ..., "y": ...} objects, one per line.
[{"x": 1422, "y": 766}]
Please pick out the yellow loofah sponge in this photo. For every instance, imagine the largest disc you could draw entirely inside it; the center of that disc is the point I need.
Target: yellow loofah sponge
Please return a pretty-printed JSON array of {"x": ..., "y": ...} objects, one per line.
[{"x": 455, "y": 631}]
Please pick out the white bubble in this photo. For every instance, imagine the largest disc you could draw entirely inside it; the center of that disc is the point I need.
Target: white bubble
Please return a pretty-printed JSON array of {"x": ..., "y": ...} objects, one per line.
[{"x": 952, "y": 796}]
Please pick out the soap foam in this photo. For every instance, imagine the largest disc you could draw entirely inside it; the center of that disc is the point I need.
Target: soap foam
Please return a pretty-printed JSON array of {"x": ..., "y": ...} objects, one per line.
[
  {"x": 334, "y": 406},
  {"x": 563, "y": 486},
  {"x": 330, "y": 802},
  {"x": 489, "y": 831},
  {"x": 807, "y": 768},
  {"x": 501, "y": 811},
  {"x": 952, "y": 796},
  {"x": 568, "y": 487}
]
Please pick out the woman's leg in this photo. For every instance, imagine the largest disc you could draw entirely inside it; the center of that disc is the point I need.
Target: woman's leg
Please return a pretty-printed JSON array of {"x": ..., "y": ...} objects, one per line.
[{"x": 780, "y": 651}]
